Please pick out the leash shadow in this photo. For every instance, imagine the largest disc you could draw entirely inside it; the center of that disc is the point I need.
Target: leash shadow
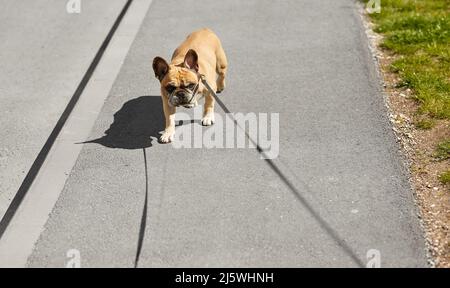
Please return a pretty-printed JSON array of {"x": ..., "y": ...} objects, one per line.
[
  {"x": 144, "y": 215},
  {"x": 137, "y": 125}
]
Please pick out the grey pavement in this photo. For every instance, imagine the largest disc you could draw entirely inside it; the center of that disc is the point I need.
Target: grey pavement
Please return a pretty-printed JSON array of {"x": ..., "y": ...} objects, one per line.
[
  {"x": 337, "y": 190},
  {"x": 44, "y": 53}
]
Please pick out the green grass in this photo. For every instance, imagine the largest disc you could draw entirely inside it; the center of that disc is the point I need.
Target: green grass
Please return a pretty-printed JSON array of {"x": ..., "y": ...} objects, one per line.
[
  {"x": 425, "y": 124},
  {"x": 443, "y": 150},
  {"x": 418, "y": 31},
  {"x": 445, "y": 177}
]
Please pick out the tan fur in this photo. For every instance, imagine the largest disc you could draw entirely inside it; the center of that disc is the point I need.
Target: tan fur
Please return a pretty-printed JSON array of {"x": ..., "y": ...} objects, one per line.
[{"x": 212, "y": 63}]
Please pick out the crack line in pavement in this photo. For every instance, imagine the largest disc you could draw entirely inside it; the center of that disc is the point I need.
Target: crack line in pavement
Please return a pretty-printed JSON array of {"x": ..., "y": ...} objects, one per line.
[
  {"x": 144, "y": 215},
  {"x": 296, "y": 193},
  {"x": 40, "y": 159}
]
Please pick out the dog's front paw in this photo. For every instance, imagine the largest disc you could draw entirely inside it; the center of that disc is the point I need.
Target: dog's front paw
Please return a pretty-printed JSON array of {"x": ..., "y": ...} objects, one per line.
[
  {"x": 167, "y": 136},
  {"x": 208, "y": 119}
]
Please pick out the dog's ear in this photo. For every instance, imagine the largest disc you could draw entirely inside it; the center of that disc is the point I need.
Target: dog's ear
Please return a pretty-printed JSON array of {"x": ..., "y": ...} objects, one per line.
[
  {"x": 160, "y": 67},
  {"x": 191, "y": 60}
]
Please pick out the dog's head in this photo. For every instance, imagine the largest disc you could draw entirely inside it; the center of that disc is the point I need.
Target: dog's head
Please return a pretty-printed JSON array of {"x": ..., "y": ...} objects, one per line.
[{"x": 179, "y": 83}]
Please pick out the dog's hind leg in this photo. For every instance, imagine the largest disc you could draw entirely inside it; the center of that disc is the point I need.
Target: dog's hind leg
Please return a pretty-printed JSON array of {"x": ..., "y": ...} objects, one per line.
[
  {"x": 221, "y": 68},
  {"x": 208, "y": 111}
]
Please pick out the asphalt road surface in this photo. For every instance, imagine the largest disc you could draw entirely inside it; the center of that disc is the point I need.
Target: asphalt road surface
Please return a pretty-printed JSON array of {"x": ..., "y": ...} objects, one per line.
[
  {"x": 45, "y": 52},
  {"x": 337, "y": 193}
]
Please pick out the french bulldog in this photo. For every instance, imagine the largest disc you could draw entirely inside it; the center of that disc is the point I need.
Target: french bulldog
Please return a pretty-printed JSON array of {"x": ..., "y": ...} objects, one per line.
[{"x": 200, "y": 54}]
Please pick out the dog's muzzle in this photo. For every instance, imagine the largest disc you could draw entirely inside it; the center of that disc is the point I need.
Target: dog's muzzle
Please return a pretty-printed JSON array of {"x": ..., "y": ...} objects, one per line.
[{"x": 184, "y": 98}]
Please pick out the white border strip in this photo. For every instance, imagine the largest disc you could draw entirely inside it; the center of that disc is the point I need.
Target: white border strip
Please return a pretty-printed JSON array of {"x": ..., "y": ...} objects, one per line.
[{"x": 25, "y": 227}]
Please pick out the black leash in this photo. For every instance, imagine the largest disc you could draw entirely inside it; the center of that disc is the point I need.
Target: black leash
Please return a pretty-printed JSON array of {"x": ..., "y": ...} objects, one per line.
[
  {"x": 226, "y": 110},
  {"x": 290, "y": 185},
  {"x": 203, "y": 79}
]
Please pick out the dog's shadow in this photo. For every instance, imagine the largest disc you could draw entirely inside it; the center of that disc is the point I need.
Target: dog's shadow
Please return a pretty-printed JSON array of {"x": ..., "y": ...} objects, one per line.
[{"x": 136, "y": 125}]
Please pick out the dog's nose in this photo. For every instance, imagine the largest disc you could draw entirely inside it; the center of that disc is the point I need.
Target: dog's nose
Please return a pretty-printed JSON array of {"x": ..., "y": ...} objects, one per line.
[{"x": 181, "y": 95}]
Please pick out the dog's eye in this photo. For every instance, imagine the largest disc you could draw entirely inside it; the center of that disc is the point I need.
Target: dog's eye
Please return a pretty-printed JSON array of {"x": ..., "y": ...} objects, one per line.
[
  {"x": 170, "y": 88},
  {"x": 191, "y": 86}
]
